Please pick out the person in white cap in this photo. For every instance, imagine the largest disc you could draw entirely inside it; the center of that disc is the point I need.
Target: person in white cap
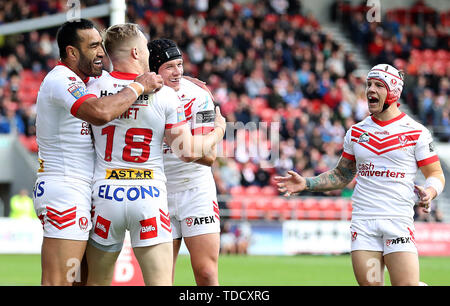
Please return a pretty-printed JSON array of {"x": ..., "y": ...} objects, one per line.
[{"x": 384, "y": 151}]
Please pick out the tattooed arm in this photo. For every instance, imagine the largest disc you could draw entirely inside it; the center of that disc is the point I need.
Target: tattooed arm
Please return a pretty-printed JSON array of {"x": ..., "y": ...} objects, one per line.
[{"x": 337, "y": 178}]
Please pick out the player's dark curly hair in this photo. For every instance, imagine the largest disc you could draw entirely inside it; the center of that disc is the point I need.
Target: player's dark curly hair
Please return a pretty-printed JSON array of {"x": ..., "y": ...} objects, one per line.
[
  {"x": 67, "y": 34},
  {"x": 161, "y": 51}
]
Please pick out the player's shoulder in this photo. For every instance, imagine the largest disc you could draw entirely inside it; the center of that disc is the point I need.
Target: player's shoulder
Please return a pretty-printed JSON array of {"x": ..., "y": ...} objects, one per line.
[
  {"x": 165, "y": 96},
  {"x": 191, "y": 87},
  {"x": 409, "y": 122},
  {"x": 62, "y": 73},
  {"x": 164, "y": 91},
  {"x": 363, "y": 124},
  {"x": 104, "y": 77}
]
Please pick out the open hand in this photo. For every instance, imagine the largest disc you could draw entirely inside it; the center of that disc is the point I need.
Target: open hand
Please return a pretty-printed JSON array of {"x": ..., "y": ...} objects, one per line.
[{"x": 290, "y": 184}]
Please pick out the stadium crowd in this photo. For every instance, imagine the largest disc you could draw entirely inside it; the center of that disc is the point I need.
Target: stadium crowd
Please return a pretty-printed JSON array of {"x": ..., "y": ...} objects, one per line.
[
  {"x": 416, "y": 40},
  {"x": 264, "y": 61}
]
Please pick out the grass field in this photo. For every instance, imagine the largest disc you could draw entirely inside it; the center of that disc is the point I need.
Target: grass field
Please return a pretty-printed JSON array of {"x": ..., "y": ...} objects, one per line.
[{"x": 249, "y": 270}]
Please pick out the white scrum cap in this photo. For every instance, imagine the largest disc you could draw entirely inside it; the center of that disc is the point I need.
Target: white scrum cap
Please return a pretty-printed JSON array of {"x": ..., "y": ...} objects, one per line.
[{"x": 391, "y": 78}]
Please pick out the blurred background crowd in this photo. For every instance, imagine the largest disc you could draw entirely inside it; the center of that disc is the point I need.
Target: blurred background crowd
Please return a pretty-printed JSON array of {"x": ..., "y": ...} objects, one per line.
[{"x": 264, "y": 61}]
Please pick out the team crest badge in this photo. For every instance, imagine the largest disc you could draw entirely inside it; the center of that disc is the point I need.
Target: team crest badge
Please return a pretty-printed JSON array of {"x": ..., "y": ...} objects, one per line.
[
  {"x": 83, "y": 223},
  {"x": 364, "y": 138},
  {"x": 402, "y": 139}
]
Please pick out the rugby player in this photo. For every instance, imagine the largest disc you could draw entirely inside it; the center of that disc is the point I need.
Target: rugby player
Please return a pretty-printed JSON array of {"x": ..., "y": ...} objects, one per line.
[
  {"x": 129, "y": 191},
  {"x": 65, "y": 110},
  {"x": 385, "y": 151},
  {"x": 191, "y": 190}
]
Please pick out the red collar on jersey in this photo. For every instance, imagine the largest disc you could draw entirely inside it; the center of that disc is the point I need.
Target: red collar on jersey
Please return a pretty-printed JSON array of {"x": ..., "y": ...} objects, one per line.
[
  {"x": 62, "y": 64},
  {"x": 384, "y": 123},
  {"x": 123, "y": 75}
]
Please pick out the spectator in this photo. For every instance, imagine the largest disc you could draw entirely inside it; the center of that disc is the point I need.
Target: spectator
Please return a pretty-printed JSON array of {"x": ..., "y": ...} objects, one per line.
[{"x": 21, "y": 206}]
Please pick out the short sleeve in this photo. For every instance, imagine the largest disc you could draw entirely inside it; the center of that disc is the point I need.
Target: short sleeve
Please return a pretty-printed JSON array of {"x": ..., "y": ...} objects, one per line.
[
  {"x": 174, "y": 110},
  {"x": 69, "y": 92},
  {"x": 348, "y": 146},
  {"x": 203, "y": 114},
  {"x": 425, "y": 152}
]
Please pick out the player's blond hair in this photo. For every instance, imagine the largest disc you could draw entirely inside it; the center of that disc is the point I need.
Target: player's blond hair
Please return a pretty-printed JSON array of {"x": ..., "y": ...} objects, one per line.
[{"x": 115, "y": 37}]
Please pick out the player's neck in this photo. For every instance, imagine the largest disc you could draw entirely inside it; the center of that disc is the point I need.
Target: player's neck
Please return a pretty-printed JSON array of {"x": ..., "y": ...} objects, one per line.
[
  {"x": 74, "y": 68},
  {"x": 128, "y": 67},
  {"x": 390, "y": 113}
]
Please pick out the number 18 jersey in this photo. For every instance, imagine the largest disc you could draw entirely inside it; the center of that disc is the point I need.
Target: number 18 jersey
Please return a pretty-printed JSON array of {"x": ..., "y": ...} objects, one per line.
[{"x": 129, "y": 148}]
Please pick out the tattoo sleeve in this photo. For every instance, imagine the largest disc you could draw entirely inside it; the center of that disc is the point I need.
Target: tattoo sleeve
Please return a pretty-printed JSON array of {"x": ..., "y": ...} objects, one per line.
[{"x": 337, "y": 178}]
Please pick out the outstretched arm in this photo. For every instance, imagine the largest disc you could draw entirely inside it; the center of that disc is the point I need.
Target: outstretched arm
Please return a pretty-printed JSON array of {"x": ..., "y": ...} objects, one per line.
[{"x": 337, "y": 178}]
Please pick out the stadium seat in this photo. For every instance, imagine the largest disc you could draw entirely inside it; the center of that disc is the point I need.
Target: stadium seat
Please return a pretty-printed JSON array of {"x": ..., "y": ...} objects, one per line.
[
  {"x": 269, "y": 191},
  {"x": 235, "y": 207},
  {"x": 282, "y": 208},
  {"x": 236, "y": 191},
  {"x": 252, "y": 209},
  {"x": 312, "y": 208},
  {"x": 327, "y": 208},
  {"x": 253, "y": 190}
]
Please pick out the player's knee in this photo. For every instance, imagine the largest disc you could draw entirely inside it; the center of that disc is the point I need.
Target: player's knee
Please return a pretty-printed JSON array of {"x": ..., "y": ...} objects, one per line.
[{"x": 206, "y": 276}]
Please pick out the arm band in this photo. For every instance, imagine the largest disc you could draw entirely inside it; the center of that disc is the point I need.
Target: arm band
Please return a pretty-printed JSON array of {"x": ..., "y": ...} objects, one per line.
[
  {"x": 136, "y": 87},
  {"x": 436, "y": 183}
]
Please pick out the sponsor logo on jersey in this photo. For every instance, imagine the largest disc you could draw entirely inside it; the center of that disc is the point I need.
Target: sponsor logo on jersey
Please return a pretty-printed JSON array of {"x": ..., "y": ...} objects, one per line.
[
  {"x": 77, "y": 91},
  {"x": 41, "y": 165},
  {"x": 364, "y": 138},
  {"x": 129, "y": 174},
  {"x": 118, "y": 194},
  {"x": 200, "y": 220},
  {"x": 431, "y": 147},
  {"x": 102, "y": 227},
  {"x": 205, "y": 116},
  {"x": 381, "y": 133},
  {"x": 149, "y": 228},
  {"x": 180, "y": 114},
  {"x": 38, "y": 189},
  {"x": 399, "y": 240},
  {"x": 368, "y": 169}
]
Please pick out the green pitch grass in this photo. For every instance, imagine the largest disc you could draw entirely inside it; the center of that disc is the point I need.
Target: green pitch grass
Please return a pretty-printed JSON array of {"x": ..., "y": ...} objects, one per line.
[{"x": 248, "y": 270}]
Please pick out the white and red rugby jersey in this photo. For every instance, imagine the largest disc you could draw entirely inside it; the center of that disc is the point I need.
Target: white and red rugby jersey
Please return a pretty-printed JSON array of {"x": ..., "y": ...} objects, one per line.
[
  {"x": 129, "y": 148},
  {"x": 388, "y": 155},
  {"x": 199, "y": 112},
  {"x": 65, "y": 143}
]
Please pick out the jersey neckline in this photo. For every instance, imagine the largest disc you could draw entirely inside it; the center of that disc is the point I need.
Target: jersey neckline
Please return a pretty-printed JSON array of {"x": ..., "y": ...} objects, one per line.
[
  {"x": 387, "y": 122},
  {"x": 62, "y": 64},
  {"x": 123, "y": 75}
]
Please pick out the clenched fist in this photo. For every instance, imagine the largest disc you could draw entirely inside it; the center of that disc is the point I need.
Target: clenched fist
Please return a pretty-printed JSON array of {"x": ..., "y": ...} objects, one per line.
[{"x": 151, "y": 81}]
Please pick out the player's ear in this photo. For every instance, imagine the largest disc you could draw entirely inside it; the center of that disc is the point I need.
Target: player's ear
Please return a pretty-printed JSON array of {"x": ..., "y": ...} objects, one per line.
[
  {"x": 134, "y": 53},
  {"x": 72, "y": 52}
]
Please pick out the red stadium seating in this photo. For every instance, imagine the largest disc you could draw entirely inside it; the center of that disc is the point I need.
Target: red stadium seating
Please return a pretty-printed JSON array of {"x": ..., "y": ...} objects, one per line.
[
  {"x": 253, "y": 190},
  {"x": 269, "y": 191},
  {"x": 236, "y": 191},
  {"x": 236, "y": 208}
]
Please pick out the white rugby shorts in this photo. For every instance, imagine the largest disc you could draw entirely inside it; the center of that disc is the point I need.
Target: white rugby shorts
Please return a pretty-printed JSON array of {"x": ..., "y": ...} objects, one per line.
[
  {"x": 194, "y": 211},
  {"x": 140, "y": 209},
  {"x": 383, "y": 235},
  {"x": 63, "y": 206}
]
